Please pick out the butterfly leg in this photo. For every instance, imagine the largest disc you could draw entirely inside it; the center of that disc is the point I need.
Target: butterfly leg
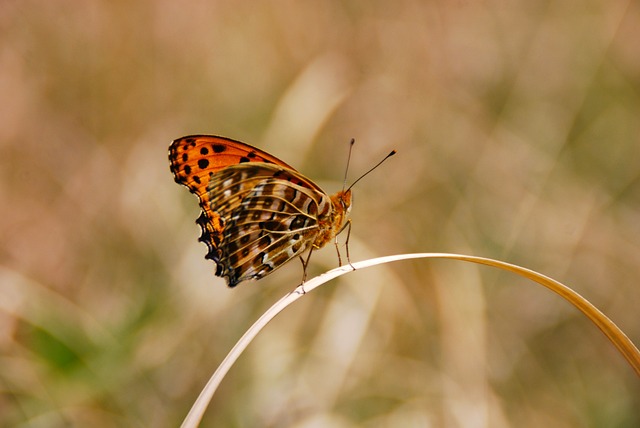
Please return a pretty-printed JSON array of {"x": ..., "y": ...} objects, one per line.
[
  {"x": 346, "y": 244},
  {"x": 305, "y": 263},
  {"x": 348, "y": 225},
  {"x": 335, "y": 242}
]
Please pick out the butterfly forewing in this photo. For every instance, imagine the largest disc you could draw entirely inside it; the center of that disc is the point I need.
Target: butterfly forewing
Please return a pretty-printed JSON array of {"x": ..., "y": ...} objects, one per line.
[{"x": 194, "y": 158}]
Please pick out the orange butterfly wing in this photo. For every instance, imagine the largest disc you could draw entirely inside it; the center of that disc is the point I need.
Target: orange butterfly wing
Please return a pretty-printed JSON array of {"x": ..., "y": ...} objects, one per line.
[
  {"x": 196, "y": 162},
  {"x": 195, "y": 157}
]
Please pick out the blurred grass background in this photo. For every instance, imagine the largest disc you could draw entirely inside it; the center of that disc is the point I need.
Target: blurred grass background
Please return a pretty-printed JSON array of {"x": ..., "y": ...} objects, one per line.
[{"x": 518, "y": 136}]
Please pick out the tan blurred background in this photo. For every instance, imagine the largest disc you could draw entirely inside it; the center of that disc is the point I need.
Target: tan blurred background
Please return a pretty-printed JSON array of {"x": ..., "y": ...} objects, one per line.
[{"x": 518, "y": 138}]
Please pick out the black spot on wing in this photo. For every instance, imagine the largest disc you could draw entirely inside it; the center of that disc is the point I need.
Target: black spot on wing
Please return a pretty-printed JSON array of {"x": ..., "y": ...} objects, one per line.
[
  {"x": 218, "y": 148},
  {"x": 203, "y": 163}
]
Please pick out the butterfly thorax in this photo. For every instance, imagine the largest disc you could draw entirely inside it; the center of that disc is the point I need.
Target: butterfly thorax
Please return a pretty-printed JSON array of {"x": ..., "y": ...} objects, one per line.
[{"x": 332, "y": 224}]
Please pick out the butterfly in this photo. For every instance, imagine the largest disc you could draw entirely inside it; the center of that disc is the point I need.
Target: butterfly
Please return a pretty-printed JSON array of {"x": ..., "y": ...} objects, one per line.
[{"x": 257, "y": 212}]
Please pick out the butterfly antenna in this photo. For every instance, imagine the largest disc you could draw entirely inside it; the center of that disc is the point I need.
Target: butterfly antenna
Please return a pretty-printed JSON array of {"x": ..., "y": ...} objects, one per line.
[
  {"x": 393, "y": 152},
  {"x": 346, "y": 170}
]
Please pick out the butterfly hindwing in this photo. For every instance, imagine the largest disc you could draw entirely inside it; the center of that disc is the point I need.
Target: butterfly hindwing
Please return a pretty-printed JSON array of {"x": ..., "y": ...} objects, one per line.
[
  {"x": 268, "y": 219},
  {"x": 276, "y": 221}
]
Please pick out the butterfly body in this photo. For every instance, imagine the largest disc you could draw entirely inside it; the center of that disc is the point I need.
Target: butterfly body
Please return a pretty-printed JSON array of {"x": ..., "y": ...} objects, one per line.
[{"x": 257, "y": 212}]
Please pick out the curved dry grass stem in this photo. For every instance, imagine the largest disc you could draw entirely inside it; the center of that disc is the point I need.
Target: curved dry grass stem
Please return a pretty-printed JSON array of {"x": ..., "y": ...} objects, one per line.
[{"x": 628, "y": 350}]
